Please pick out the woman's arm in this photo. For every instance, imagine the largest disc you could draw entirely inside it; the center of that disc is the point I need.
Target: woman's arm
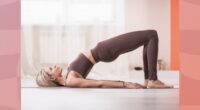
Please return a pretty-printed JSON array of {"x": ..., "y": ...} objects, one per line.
[
  {"x": 76, "y": 80},
  {"x": 120, "y": 84},
  {"x": 90, "y": 83}
]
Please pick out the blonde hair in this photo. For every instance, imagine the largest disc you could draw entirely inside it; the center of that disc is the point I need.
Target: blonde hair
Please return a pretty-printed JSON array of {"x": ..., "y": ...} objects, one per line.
[{"x": 43, "y": 80}]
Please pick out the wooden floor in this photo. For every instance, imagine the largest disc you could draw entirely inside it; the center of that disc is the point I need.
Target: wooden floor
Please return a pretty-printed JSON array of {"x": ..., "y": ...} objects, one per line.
[{"x": 98, "y": 99}]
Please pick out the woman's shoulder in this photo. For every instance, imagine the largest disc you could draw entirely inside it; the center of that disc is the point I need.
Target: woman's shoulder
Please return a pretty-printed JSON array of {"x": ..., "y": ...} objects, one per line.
[{"x": 73, "y": 74}]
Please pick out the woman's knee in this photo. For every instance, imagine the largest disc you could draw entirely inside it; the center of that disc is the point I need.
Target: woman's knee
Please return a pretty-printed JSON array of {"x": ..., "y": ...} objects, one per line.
[{"x": 153, "y": 34}]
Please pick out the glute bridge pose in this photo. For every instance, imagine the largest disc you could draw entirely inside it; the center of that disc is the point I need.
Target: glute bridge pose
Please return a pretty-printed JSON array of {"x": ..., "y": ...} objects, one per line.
[{"x": 107, "y": 51}]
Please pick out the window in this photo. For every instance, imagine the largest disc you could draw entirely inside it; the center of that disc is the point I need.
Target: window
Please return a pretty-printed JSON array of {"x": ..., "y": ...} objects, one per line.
[
  {"x": 51, "y": 12},
  {"x": 54, "y": 26}
]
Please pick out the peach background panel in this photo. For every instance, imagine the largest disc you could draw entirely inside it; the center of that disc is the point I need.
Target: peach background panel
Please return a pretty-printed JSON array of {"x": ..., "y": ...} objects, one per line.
[
  {"x": 189, "y": 54},
  {"x": 10, "y": 54}
]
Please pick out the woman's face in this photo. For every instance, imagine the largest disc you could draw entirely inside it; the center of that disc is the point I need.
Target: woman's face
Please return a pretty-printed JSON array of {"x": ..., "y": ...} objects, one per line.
[{"x": 54, "y": 71}]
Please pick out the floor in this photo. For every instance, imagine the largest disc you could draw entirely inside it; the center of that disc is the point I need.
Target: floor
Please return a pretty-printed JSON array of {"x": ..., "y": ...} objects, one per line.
[
  {"x": 60, "y": 98},
  {"x": 99, "y": 99}
]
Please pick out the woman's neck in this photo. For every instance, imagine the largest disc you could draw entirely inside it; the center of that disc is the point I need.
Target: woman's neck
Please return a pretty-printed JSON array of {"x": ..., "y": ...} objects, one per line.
[{"x": 61, "y": 80}]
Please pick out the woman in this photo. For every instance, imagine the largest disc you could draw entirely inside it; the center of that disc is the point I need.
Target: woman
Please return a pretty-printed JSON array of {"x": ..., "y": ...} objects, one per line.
[{"x": 107, "y": 51}]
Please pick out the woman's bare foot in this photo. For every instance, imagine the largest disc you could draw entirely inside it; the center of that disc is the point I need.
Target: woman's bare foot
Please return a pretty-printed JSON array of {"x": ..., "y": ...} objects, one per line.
[{"x": 158, "y": 84}]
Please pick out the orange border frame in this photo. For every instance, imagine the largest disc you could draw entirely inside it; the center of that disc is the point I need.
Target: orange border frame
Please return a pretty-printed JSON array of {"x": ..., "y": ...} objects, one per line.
[{"x": 174, "y": 35}]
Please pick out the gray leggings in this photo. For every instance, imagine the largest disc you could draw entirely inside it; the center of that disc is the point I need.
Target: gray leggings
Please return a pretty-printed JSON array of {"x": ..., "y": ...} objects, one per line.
[{"x": 109, "y": 49}]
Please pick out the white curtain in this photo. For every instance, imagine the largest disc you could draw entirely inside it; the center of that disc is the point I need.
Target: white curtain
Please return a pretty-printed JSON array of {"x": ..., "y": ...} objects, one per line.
[{"x": 59, "y": 41}]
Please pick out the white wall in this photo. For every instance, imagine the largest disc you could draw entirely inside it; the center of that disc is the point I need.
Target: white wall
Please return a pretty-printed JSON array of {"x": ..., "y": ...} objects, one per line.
[{"x": 149, "y": 14}]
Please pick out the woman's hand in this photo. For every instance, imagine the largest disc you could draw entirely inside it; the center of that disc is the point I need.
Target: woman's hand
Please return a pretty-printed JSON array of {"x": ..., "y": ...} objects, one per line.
[{"x": 131, "y": 85}]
